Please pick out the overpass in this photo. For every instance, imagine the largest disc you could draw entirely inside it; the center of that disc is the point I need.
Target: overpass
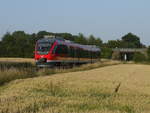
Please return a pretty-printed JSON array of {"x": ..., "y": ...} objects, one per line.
[{"x": 127, "y": 53}]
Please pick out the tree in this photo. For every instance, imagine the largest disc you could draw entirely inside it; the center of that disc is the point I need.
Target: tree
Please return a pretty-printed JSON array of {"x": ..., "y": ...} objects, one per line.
[
  {"x": 66, "y": 36},
  {"x": 131, "y": 41},
  {"x": 114, "y": 44},
  {"x": 99, "y": 42},
  {"x": 91, "y": 40},
  {"x": 7, "y": 45},
  {"x": 81, "y": 39},
  {"x": 17, "y": 44},
  {"x": 41, "y": 34},
  {"x": 128, "y": 41},
  {"x": 139, "y": 57},
  {"x": 94, "y": 41}
]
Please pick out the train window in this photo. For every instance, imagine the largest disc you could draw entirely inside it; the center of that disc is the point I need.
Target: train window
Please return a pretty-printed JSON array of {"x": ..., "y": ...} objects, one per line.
[
  {"x": 71, "y": 52},
  {"x": 78, "y": 53},
  {"x": 91, "y": 54},
  {"x": 61, "y": 49},
  {"x": 81, "y": 53},
  {"x": 75, "y": 53},
  {"x": 87, "y": 54},
  {"x": 57, "y": 49},
  {"x": 94, "y": 54},
  {"x": 43, "y": 47},
  {"x": 98, "y": 54},
  {"x": 64, "y": 49}
]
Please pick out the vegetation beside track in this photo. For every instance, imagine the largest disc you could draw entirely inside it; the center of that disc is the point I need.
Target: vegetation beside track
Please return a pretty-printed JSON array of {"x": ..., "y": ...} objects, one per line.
[
  {"x": 18, "y": 60},
  {"x": 11, "y": 70}
]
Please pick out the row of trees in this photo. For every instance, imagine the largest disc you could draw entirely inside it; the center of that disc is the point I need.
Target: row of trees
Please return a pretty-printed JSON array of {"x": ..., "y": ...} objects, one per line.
[
  {"x": 128, "y": 41},
  {"x": 21, "y": 44}
]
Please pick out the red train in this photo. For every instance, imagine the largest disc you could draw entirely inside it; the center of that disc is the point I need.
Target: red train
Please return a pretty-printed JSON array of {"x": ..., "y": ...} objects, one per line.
[{"x": 50, "y": 52}]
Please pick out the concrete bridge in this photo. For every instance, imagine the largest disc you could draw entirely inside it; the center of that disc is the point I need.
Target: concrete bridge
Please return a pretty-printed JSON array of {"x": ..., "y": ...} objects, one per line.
[{"x": 127, "y": 53}]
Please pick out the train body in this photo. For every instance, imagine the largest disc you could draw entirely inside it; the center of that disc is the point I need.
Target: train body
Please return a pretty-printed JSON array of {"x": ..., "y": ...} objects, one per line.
[{"x": 50, "y": 52}]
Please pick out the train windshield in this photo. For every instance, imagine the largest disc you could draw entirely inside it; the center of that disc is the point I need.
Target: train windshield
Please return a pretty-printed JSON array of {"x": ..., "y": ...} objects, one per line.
[{"x": 43, "y": 47}]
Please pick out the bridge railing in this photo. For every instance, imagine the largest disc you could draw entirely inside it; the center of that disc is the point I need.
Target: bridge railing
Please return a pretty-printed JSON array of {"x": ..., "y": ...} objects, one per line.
[{"x": 129, "y": 49}]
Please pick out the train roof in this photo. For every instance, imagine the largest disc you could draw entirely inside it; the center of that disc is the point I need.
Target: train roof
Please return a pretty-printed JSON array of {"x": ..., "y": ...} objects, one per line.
[{"x": 60, "y": 40}]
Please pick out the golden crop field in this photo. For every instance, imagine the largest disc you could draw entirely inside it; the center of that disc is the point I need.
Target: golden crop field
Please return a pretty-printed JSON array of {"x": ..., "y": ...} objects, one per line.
[
  {"x": 123, "y": 88},
  {"x": 30, "y": 60}
]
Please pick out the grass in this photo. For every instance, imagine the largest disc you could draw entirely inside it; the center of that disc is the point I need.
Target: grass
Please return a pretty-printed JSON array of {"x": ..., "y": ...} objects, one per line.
[
  {"x": 54, "y": 96},
  {"x": 86, "y": 91},
  {"x": 20, "y": 70},
  {"x": 19, "y": 60},
  {"x": 15, "y": 70},
  {"x": 17, "y": 65}
]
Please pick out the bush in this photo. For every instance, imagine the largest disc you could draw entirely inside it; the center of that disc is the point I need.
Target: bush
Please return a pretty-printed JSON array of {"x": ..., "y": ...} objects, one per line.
[
  {"x": 139, "y": 57},
  {"x": 106, "y": 53},
  {"x": 148, "y": 53}
]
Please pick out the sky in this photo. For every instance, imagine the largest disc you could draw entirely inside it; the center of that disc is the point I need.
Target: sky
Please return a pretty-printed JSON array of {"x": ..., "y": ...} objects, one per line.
[{"x": 107, "y": 19}]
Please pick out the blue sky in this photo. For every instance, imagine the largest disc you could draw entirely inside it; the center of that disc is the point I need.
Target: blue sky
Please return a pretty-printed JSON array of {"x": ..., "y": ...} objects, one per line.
[{"x": 107, "y": 19}]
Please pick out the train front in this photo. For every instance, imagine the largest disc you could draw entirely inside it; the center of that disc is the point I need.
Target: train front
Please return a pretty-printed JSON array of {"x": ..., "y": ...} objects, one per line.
[{"x": 43, "y": 53}]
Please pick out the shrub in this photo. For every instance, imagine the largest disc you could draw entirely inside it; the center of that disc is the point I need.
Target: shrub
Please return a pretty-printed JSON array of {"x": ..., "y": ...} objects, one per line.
[
  {"x": 106, "y": 53},
  {"x": 16, "y": 70},
  {"x": 15, "y": 73},
  {"x": 139, "y": 57},
  {"x": 148, "y": 53}
]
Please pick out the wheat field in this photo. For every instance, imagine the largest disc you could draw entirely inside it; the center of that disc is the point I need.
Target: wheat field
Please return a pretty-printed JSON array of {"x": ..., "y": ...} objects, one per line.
[
  {"x": 123, "y": 88},
  {"x": 30, "y": 60}
]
